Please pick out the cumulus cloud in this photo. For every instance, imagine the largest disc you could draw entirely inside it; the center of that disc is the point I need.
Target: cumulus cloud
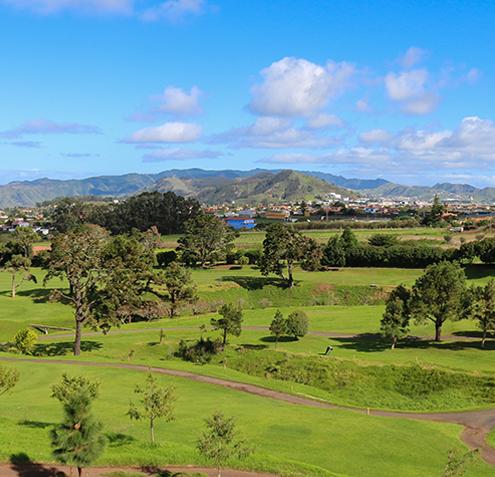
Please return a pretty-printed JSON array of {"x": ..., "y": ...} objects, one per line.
[
  {"x": 46, "y": 7},
  {"x": 178, "y": 154},
  {"x": 363, "y": 106},
  {"x": 375, "y": 136},
  {"x": 412, "y": 57},
  {"x": 167, "y": 132},
  {"x": 410, "y": 89},
  {"x": 174, "y": 10},
  {"x": 178, "y": 102},
  {"x": 272, "y": 133},
  {"x": 297, "y": 87},
  {"x": 324, "y": 120},
  {"x": 43, "y": 126}
]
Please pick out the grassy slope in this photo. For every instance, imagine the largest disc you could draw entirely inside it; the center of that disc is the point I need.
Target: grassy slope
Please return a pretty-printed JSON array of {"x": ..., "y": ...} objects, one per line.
[{"x": 346, "y": 443}]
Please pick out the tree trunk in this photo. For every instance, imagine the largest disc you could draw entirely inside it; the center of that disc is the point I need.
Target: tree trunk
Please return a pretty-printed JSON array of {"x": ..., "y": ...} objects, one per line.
[
  {"x": 79, "y": 471},
  {"x": 394, "y": 342},
  {"x": 290, "y": 280},
  {"x": 78, "y": 338},
  {"x": 152, "y": 431},
  {"x": 438, "y": 331},
  {"x": 13, "y": 286},
  {"x": 224, "y": 337},
  {"x": 483, "y": 339},
  {"x": 219, "y": 472}
]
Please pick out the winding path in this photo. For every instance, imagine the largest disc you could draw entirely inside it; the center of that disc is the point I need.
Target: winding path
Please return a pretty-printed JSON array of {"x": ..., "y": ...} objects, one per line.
[{"x": 477, "y": 424}]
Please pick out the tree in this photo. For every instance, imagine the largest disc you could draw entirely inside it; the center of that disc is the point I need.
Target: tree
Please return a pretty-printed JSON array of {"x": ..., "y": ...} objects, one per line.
[
  {"x": 19, "y": 265},
  {"x": 349, "y": 239},
  {"x": 220, "y": 441},
  {"x": 156, "y": 402},
  {"x": 78, "y": 440},
  {"x": 25, "y": 341},
  {"x": 481, "y": 307},
  {"x": 334, "y": 254},
  {"x": 382, "y": 240},
  {"x": 77, "y": 256},
  {"x": 435, "y": 215},
  {"x": 180, "y": 287},
  {"x": 313, "y": 255},
  {"x": 206, "y": 239},
  {"x": 283, "y": 246},
  {"x": 9, "y": 377},
  {"x": 395, "y": 321},
  {"x": 23, "y": 239},
  {"x": 278, "y": 326},
  {"x": 437, "y": 295},
  {"x": 297, "y": 324},
  {"x": 230, "y": 323}
]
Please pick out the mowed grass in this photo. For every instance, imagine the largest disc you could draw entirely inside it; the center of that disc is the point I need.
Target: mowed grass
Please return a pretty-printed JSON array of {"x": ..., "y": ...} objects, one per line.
[
  {"x": 291, "y": 440},
  {"x": 254, "y": 239}
]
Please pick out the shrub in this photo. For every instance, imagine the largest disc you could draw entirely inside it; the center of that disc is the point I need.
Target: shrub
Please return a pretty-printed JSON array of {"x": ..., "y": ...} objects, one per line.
[
  {"x": 297, "y": 324},
  {"x": 25, "y": 341},
  {"x": 201, "y": 352},
  {"x": 253, "y": 256},
  {"x": 166, "y": 258}
]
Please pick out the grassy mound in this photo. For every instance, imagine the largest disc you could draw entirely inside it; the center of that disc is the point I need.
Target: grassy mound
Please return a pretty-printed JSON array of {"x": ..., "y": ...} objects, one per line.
[{"x": 394, "y": 387}]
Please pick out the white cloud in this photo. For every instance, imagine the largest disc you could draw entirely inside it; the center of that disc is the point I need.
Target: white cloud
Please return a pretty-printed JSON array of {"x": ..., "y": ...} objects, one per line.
[
  {"x": 409, "y": 89},
  {"x": 324, "y": 120},
  {"x": 375, "y": 136},
  {"x": 46, "y": 7},
  {"x": 412, "y": 57},
  {"x": 167, "y": 132},
  {"x": 296, "y": 87},
  {"x": 272, "y": 133},
  {"x": 174, "y": 10},
  {"x": 44, "y": 126},
  {"x": 178, "y": 102},
  {"x": 179, "y": 154}
]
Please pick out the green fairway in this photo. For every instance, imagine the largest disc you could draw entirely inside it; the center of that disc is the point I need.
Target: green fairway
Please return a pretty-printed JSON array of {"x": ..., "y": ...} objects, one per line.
[{"x": 295, "y": 441}]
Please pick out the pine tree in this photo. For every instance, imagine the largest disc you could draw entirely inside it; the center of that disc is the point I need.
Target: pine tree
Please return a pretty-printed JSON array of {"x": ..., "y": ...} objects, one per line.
[
  {"x": 78, "y": 440},
  {"x": 278, "y": 326},
  {"x": 395, "y": 321}
]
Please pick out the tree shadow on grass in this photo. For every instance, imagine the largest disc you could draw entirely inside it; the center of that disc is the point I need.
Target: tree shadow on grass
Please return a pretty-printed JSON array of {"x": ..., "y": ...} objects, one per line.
[
  {"x": 282, "y": 339},
  {"x": 38, "y": 295},
  {"x": 253, "y": 346},
  {"x": 24, "y": 466},
  {"x": 35, "y": 424},
  {"x": 255, "y": 283},
  {"x": 117, "y": 439},
  {"x": 479, "y": 270},
  {"x": 369, "y": 343},
  {"x": 64, "y": 348},
  {"x": 156, "y": 471}
]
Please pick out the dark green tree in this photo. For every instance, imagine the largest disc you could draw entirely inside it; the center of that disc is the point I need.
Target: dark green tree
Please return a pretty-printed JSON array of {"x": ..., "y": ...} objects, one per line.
[
  {"x": 395, "y": 321},
  {"x": 434, "y": 216},
  {"x": 334, "y": 254},
  {"x": 278, "y": 326},
  {"x": 156, "y": 402},
  {"x": 297, "y": 324},
  {"x": 481, "y": 307},
  {"x": 383, "y": 240},
  {"x": 349, "y": 239},
  {"x": 283, "y": 246},
  {"x": 179, "y": 285},
  {"x": 78, "y": 440},
  {"x": 220, "y": 442},
  {"x": 22, "y": 241},
  {"x": 313, "y": 255},
  {"x": 206, "y": 239},
  {"x": 230, "y": 323},
  {"x": 437, "y": 295}
]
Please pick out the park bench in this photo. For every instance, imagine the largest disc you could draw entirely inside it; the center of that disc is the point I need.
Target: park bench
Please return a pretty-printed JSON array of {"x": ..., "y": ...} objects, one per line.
[{"x": 46, "y": 328}]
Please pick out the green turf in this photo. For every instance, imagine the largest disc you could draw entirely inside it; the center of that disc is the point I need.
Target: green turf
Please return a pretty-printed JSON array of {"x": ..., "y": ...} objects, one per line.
[{"x": 306, "y": 441}]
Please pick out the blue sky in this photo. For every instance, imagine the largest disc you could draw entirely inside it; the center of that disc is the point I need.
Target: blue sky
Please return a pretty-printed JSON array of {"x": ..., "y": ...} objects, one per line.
[{"x": 401, "y": 90}]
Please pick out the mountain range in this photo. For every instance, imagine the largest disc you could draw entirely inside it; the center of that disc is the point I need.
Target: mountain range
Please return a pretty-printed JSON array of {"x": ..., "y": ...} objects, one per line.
[{"x": 253, "y": 186}]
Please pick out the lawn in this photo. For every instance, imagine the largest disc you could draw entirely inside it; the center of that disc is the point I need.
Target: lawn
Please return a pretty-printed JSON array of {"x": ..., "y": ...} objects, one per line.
[{"x": 294, "y": 441}]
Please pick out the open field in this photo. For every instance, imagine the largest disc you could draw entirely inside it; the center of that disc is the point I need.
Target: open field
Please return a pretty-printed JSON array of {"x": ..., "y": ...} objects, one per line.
[{"x": 309, "y": 442}]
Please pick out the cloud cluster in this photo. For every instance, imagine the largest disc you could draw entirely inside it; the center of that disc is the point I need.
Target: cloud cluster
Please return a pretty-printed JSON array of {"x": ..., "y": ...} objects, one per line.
[
  {"x": 297, "y": 87},
  {"x": 169, "y": 132},
  {"x": 171, "y": 11},
  {"x": 44, "y": 126}
]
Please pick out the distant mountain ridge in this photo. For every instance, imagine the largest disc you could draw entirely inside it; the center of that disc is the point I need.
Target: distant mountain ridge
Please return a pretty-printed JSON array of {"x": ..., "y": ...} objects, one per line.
[{"x": 211, "y": 186}]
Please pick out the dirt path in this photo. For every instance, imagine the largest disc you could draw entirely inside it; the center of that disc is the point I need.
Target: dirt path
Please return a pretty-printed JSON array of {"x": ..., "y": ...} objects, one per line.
[
  {"x": 477, "y": 424},
  {"x": 48, "y": 470}
]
